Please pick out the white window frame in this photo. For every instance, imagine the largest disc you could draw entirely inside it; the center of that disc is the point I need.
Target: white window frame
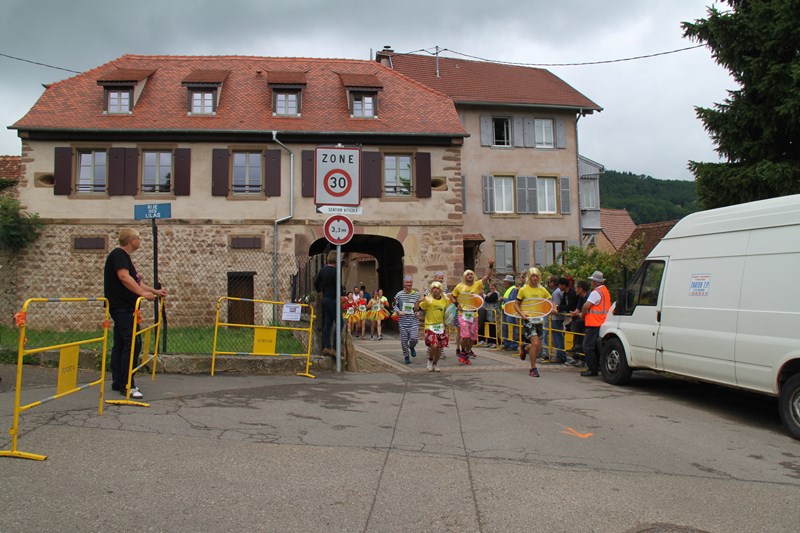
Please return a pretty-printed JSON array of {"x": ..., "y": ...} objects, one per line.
[
  {"x": 287, "y": 103},
  {"x": 544, "y": 129},
  {"x": 547, "y": 195},
  {"x": 87, "y": 180},
  {"x": 364, "y": 105},
  {"x": 504, "y": 194},
  {"x": 590, "y": 193},
  {"x": 252, "y": 181},
  {"x": 203, "y": 101},
  {"x": 118, "y": 100},
  {"x": 157, "y": 174},
  {"x": 394, "y": 174},
  {"x": 506, "y": 137}
]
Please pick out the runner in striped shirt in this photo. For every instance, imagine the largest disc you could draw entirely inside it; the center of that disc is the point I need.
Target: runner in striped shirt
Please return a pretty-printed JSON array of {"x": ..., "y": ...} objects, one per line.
[{"x": 408, "y": 322}]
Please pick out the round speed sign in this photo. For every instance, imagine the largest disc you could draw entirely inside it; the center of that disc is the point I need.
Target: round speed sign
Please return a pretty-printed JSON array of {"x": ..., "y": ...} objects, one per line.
[{"x": 338, "y": 229}]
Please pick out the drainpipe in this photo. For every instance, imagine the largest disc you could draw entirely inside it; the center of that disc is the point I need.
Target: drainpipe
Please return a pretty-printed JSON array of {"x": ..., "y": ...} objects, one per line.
[
  {"x": 282, "y": 219},
  {"x": 578, "y": 173}
]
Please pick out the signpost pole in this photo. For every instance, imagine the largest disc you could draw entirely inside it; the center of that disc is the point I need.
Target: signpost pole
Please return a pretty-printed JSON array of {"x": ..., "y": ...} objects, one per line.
[{"x": 338, "y": 308}]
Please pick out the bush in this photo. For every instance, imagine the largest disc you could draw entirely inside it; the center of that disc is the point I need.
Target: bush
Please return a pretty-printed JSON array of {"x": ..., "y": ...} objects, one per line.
[{"x": 17, "y": 228}]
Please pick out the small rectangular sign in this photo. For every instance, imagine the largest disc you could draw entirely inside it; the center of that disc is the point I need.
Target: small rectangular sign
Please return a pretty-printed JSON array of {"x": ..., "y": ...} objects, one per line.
[
  {"x": 291, "y": 313},
  {"x": 67, "y": 369},
  {"x": 339, "y": 210},
  {"x": 264, "y": 341},
  {"x": 146, "y": 211},
  {"x": 700, "y": 284}
]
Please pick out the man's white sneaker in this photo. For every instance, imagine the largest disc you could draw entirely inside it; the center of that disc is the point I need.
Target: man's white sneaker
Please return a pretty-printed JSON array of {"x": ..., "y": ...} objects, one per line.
[
  {"x": 136, "y": 393},
  {"x": 436, "y": 368},
  {"x": 430, "y": 365}
]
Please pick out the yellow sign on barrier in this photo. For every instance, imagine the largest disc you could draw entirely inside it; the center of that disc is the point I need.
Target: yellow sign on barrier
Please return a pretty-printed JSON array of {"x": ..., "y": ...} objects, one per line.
[
  {"x": 67, "y": 369},
  {"x": 286, "y": 330},
  {"x": 68, "y": 358},
  {"x": 264, "y": 340}
]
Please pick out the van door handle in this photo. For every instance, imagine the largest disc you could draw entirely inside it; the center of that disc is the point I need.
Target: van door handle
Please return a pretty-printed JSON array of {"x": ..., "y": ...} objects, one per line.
[{"x": 658, "y": 316}]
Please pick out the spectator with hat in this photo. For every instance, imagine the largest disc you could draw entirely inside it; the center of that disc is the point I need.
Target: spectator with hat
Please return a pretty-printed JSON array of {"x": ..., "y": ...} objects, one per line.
[{"x": 594, "y": 313}]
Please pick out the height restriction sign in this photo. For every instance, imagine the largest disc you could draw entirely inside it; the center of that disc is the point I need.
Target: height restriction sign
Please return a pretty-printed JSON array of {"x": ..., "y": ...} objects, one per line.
[{"x": 337, "y": 178}]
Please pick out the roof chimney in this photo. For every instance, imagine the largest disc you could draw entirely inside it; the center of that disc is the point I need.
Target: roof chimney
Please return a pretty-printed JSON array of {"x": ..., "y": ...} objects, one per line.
[{"x": 384, "y": 57}]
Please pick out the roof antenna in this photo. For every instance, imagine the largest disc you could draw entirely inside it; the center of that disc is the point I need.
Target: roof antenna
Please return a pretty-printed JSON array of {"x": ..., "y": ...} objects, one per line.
[{"x": 437, "y": 61}]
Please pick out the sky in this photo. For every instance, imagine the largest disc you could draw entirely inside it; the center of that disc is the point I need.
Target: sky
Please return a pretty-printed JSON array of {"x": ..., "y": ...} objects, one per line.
[{"x": 648, "y": 123}]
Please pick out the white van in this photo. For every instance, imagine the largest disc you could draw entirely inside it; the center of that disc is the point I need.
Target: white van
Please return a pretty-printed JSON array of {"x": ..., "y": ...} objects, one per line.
[{"x": 717, "y": 300}]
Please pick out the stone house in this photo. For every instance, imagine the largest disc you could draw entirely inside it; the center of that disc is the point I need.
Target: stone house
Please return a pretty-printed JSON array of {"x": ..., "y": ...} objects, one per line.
[
  {"x": 229, "y": 142},
  {"x": 519, "y": 166}
]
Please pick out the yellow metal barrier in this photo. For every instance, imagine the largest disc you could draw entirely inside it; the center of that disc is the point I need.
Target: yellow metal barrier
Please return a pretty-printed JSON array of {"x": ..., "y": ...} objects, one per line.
[
  {"x": 266, "y": 340},
  {"x": 146, "y": 334},
  {"x": 67, "y": 368}
]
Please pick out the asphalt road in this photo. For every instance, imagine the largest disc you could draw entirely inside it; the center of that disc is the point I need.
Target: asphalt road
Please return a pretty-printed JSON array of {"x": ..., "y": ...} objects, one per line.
[{"x": 480, "y": 448}]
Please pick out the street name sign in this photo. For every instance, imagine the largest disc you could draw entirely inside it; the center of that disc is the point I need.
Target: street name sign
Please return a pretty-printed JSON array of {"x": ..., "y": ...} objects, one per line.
[{"x": 147, "y": 211}]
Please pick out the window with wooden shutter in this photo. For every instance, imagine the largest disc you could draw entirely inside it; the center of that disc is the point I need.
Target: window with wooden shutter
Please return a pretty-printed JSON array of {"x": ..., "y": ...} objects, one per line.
[
  {"x": 488, "y": 194},
  {"x": 307, "y": 173},
  {"x": 371, "y": 179},
  {"x": 422, "y": 174},
  {"x": 527, "y": 201},
  {"x": 566, "y": 207}
]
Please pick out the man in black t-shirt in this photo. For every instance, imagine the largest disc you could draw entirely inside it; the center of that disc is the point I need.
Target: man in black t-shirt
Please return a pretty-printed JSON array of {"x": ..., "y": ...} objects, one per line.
[
  {"x": 123, "y": 286},
  {"x": 325, "y": 282}
]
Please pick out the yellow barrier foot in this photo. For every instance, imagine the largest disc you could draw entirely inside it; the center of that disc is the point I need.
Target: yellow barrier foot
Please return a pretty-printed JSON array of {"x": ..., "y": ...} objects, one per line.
[
  {"x": 307, "y": 375},
  {"x": 22, "y": 455},
  {"x": 127, "y": 402}
]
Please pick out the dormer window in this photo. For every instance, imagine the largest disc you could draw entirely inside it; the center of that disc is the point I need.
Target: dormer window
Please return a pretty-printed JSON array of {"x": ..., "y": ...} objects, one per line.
[
  {"x": 205, "y": 89},
  {"x": 362, "y": 94},
  {"x": 362, "y": 105},
  {"x": 118, "y": 100},
  {"x": 122, "y": 89},
  {"x": 287, "y": 91}
]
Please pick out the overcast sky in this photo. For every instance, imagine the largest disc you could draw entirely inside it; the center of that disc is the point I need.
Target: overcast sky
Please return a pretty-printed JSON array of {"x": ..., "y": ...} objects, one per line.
[{"x": 648, "y": 125}]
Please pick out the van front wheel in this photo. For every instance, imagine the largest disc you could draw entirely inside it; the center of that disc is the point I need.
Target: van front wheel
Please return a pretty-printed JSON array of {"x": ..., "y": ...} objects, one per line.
[
  {"x": 789, "y": 405},
  {"x": 614, "y": 364}
]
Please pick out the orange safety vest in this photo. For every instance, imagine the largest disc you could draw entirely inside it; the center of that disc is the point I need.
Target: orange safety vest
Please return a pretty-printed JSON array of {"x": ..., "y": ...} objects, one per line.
[{"x": 597, "y": 312}]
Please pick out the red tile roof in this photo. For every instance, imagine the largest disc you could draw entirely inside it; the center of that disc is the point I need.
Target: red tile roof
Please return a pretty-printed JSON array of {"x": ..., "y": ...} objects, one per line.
[
  {"x": 206, "y": 76},
  {"x": 617, "y": 225},
  {"x": 125, "y": 74},
  {"x": 10, "y": 167},
  {"x": 482, "y": 82},
  {"x": 406, "y": 107},
  {"x": 651, "y": 233}
]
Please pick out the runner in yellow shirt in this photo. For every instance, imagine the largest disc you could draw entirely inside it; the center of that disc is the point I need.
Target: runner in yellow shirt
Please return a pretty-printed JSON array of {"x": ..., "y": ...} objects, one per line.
[
  {"x": 468, "y": 319},
  {"x": 436, "y": 337},
  {"x": 532, "y": 327}
]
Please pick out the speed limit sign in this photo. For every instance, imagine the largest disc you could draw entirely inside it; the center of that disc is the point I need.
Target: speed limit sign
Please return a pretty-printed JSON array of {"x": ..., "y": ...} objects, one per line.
[
  {"x": 337, "y": 179},
  {"x": 338, "y": 229}
]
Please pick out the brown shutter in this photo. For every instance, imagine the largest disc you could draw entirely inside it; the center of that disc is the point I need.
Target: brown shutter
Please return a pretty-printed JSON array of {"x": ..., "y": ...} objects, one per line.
[
  {"x": 272, "y": 173},
  {"x": 219, "y": 171},
  {"x": 371, "y": 175},
  {"x": 423, "y": 174},
  {"x": 181, "y": 179},
  {"x": 131, "y": 171},
  {"x": 62, "y": 172},
  {"x": 307, "y": 174},
  {"x": 116, "y": 172}
]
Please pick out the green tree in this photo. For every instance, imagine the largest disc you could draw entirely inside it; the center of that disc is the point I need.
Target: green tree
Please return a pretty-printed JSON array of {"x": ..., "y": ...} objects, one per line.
[{"x": 757, "y": 128}]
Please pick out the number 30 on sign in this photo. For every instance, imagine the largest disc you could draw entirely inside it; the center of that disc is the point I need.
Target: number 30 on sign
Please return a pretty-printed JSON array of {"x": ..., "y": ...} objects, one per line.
[{"x": 338, "y": 229}]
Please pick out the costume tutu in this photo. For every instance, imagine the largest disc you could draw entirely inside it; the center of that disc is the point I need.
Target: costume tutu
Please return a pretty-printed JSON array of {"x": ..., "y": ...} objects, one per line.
[
  {"x": 361, "y": 310},
  {"x": 378, "y": 315}
]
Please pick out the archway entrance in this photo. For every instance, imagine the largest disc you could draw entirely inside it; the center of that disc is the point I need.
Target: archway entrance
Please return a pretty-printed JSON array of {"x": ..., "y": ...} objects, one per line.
[{"x": 388, "y": 254}]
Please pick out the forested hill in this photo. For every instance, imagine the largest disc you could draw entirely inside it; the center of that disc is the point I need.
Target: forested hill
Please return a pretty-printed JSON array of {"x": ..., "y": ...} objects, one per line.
[{"x": 647, "y": 199}]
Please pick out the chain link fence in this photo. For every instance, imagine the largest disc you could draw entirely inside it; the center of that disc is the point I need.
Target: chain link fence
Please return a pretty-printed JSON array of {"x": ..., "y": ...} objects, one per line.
[{"x": 195, "y": 280}]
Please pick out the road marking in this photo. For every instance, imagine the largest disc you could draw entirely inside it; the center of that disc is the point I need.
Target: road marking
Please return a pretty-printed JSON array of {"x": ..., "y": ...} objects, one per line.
[{"x": 574, "y": 433}]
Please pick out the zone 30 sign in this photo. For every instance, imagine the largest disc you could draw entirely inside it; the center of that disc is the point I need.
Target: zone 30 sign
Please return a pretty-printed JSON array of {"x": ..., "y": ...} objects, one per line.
[{"x": 337, "y": 179}]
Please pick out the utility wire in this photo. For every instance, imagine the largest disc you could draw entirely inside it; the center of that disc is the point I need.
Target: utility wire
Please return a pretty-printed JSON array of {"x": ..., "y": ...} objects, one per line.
[
  {"x": 40, "y": 64},
  {"x": 439, "y": 50}
]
